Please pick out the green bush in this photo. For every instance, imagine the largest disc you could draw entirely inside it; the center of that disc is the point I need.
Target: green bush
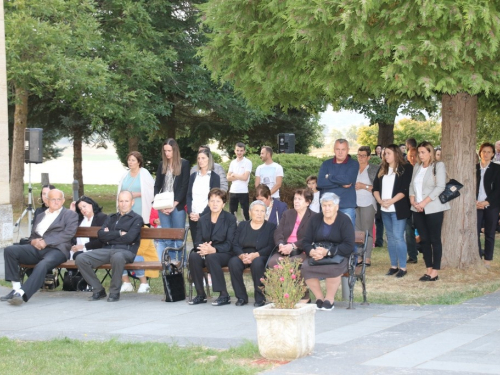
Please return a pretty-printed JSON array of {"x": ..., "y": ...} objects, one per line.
[{"x": 296, "y": 167}]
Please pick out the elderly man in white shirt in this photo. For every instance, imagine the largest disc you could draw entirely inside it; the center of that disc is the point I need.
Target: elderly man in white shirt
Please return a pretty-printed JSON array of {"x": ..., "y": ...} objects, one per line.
[{"x": 50, "y": 246}]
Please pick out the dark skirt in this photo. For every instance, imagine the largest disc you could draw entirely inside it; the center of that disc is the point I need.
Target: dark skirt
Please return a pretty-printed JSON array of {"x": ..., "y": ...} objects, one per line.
[
  {"x": 326, "y": 271},
  {"x": 274, "y": 259}
]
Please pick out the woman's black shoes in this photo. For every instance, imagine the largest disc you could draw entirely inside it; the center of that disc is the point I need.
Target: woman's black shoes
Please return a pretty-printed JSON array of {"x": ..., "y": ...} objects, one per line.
[
  {"x": 241, "y": 302},
  {"x": 428, "y": 278},
  {"x": 392, "y": 271},
  {"x": 198, "y": 299},
  {"x": 401, "y": 273},
  {"x": 222, "y": 300}
]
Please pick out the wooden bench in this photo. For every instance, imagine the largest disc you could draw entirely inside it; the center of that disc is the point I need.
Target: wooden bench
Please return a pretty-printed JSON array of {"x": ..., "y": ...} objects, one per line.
[
  {"x": 353, "y": 273},
  {"x": 179, "y": 234}
]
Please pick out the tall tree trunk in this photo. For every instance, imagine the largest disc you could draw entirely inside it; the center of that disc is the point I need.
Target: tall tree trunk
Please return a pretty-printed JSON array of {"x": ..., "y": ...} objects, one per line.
[
  {"x": 458, "y": 143},
  {"x": 133, "y": 139},
  {"x": 17, "y": 166},
  {"x": 77, "y": 158},
  {"x": 386, "y": 133}
]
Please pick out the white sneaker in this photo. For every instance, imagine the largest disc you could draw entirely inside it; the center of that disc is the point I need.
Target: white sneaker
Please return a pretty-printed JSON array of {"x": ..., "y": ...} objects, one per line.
[
  {"x": 144, "y": 288},
  {"x": 126, "y": 287}
]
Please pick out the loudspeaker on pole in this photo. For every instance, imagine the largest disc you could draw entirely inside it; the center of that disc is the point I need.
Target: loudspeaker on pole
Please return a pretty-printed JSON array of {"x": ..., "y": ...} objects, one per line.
[
  {"x": 286, "y": 143},
  {"x": 33, "y": 150}
]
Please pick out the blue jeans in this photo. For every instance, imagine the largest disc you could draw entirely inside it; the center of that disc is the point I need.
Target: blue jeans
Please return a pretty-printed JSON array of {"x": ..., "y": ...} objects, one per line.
[
  {"x": 176, "y": 219},
  {"x": 396, "y": 244},
  {"x": 136, "y": 273},
  {"x": 351, "y": 212}
]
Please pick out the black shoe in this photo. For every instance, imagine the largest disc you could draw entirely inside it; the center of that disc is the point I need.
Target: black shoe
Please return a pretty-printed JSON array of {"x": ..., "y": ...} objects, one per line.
[
  {"x": 378, "y": 244},
  {"x": 198, "y": 299},
  {"x": 327, "y": 306},
  {"x": 434, "y": 278},
  {"x": 412, "y": 261},
  {"x": 8, "y": 296},
  {"x": 96, "y": 296},
  {"x": 222, "y": 300},
  {"x": 241, "y": 302},
  {"x": 319, "y": 304},
  {"x": 392, "y": 271},
  {"x": 401, "y": 273},
  {"x": 259, "y": 304},
  {"x": 16, "y": 299},
  {"x": 425, "y": 278},
  {"x": 115, "y": 297}
]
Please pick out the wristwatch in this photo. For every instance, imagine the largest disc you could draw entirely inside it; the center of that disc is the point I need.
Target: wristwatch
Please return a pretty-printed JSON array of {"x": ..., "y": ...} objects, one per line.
[
  {"x": 367, "y": 187},
  {"x": 328, "y": 254},
  {"x": 293, "y": 246}
]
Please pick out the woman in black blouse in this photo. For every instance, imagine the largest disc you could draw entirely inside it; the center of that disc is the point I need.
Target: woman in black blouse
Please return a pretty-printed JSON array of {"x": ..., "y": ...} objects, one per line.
[
  {"x": 330, "y": 226},
  {"x": 213, "y": 248},
  {"x": 252, "y": 245}
]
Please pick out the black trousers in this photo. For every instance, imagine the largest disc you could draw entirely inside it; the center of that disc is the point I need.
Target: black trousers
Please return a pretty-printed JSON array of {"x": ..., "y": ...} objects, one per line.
[
  {"x": 488, "y": 217},
  {"x": 214, "y": 263},
  {"x": 45, "y": 261},
  {"x": 193, "y": 226},
  {"x": 411, "y": 244},
  {"x": 379, "y": 231},
  {"x": 236, "y": 268},
  {"x": 243, "y": 200},
  {"x": 429, "y": 228}
]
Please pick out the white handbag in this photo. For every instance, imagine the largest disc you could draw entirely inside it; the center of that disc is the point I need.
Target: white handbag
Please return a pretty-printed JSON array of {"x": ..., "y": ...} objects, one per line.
[{"x": 164, "y": 200}]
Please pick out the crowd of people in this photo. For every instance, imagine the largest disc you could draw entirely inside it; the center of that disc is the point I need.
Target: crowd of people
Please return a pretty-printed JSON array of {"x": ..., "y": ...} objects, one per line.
[{"x": 399, "y": 196}]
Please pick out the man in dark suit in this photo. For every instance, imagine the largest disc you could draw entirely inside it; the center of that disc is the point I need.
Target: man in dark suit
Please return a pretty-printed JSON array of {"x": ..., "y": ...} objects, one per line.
[
  {"x": 50, "y": 244},
  {"x": 121, "y": 234}
]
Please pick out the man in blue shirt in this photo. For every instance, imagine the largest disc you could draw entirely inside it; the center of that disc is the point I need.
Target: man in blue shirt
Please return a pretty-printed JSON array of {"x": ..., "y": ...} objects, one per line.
[{"x": 338, "y": 175}]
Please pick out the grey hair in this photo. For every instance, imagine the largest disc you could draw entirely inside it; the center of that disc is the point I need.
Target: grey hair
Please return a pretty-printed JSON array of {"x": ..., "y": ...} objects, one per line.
[
  {"x": 342, "y": 140},
  {"x": 330, "y": 197},
  {"x": 257, "y": 202}
]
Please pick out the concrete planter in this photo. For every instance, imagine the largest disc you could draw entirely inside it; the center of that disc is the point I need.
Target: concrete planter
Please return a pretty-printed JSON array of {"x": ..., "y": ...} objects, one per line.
[{"x": 285, "y": 334}]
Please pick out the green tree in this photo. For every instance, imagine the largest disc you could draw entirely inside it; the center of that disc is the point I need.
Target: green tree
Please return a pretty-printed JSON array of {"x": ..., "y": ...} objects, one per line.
[
  {"x": 289, "y": 52},
  {"x": 50, "y": 47}
]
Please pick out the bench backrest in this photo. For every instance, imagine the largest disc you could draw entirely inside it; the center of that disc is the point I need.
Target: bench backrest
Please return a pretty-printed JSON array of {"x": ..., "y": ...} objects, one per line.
[{"x": 146, "y": 233}]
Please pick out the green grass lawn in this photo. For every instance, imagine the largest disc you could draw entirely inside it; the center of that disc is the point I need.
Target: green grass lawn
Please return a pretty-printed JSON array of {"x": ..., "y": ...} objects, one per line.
[{"x": 112, "y": 357}]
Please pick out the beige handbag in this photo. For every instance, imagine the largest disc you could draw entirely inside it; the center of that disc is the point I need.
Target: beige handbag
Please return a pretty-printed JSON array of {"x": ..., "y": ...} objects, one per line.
[{"x": 164, "y": 200}]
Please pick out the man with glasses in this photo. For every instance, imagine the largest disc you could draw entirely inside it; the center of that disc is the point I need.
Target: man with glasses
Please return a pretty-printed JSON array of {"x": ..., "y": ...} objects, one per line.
[
  {"x": 50, "y": 243},
  {"x": 338, "y": 175}
]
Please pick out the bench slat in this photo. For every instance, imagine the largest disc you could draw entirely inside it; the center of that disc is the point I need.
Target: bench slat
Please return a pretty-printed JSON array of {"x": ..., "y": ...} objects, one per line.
[
  {"x": 70, "y": 264},
  {"x": 146, "y": 233}
]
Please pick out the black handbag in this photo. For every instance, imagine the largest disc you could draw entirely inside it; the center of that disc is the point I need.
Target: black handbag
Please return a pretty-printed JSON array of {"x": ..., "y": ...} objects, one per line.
[
  {"x": 334, "y": 258},
  {"x": 73, "y": 281},
  {"x": 173, "y": 283},
  {"x": 451, "y": 191}
]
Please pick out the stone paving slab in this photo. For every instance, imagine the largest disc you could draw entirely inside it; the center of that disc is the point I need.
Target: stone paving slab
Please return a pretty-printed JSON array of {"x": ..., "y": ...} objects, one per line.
[{"x": 373, "y": 339}]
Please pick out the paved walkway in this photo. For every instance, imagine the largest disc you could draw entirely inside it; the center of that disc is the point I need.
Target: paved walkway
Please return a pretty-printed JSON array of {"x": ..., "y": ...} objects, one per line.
[{"x": 374, "y": 339}]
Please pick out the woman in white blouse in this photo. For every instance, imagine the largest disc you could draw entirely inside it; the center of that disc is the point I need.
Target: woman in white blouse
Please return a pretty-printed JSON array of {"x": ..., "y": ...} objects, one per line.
[
  {"x": 390, "y": 189},
  {"x": 428, "y": 181},
  {"x": 365, "y": 202}
]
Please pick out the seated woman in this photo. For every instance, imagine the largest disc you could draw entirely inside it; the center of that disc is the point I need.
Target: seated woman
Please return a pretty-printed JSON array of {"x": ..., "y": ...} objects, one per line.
[
  {"x": 290, "y": 232},
  {"x": 274, "y": 207},
  {"x": 44, "y": 197},
  {"x": 252, "y": 245},
  {"x": 329, "y": 226},
  {"x": 213, "y": 248},
  {"x": 90, "y": 215}
]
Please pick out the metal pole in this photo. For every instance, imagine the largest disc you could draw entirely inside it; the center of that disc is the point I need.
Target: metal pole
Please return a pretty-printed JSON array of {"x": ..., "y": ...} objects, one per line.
[{"x": 345, "y": 288}]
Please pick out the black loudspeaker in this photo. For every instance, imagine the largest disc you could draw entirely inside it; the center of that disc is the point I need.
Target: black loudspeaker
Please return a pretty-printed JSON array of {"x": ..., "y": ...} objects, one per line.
[
  {"x": 33, "y": 152},
  {"x": 286, "y": 143}
]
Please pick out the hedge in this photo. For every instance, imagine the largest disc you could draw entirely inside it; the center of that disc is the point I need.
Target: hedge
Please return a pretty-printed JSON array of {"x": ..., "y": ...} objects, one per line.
[{"x": 296, "y": 167}]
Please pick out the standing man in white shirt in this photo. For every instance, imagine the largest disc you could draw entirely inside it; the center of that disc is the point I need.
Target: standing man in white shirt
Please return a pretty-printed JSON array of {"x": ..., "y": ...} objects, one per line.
[
  {"x": 269, "y": 173},
  {"x": 239, "y": 175}
]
